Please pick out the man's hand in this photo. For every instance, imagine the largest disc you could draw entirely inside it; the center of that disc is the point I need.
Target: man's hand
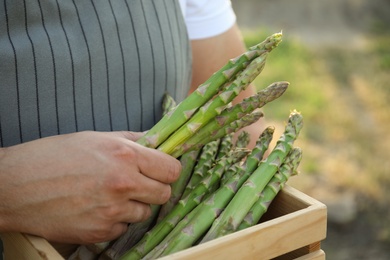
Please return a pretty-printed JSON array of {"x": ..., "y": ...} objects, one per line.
[{"x": 83, "y": 187}]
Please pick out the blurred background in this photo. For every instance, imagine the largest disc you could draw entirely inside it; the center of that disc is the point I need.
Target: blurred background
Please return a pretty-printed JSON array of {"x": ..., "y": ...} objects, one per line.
[{"x": 336, "y": 56}]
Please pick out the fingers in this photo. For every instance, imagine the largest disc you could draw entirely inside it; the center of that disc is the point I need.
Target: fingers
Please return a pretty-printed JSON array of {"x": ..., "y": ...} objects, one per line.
[
  {"x": 133, "y": 212},
  {"x": 158, "y": 165},
  {"x": 130, "y": 212},
  {"x": 147, "y": 190},
  {"x": 151, "y": 162}
]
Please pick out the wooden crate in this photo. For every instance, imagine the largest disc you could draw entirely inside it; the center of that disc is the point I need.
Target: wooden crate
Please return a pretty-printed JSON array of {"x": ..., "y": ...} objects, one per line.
[{"x": 293, "y": 228}]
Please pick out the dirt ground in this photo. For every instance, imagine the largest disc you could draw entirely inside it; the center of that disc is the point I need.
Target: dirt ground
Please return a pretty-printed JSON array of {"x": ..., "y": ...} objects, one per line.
[{"x": 320, "y": 25}]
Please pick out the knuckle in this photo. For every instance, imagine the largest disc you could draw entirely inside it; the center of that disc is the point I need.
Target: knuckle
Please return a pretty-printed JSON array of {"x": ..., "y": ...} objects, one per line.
[
  {"x": 124, "y": 151},
  {"x": 147, "y": 213},
  {"x": 165, "y": 194},
  {"x": 120, "y": 184},
  {"x": 143, "y": 213},
  {"x": 173, "y": 172},
  {"x": 111, "y": 212}
]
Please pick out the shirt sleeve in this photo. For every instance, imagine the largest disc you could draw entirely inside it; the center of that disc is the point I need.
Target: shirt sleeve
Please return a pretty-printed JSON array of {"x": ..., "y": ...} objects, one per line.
[{"x": 207, "y": 18}]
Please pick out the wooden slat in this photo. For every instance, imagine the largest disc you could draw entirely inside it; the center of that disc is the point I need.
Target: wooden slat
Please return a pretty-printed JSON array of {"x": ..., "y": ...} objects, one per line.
[
  {"x": 293, "y": 224},
  {"x": 21, "y": 246},
  {"x": 316, "y": 255},
  {"x": 269, "y": 239},
  {"x": 300, "y": 251}
]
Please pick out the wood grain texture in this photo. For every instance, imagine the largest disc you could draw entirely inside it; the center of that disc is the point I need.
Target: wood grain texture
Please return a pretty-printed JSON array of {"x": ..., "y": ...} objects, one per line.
[{"x": 291, "y": 229}]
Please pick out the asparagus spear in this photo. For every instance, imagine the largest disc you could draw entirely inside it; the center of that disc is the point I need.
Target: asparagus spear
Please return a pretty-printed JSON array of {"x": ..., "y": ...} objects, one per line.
[
  {"x": 233, "y": 113},
  {"x": 232, "y": 184},
  {"x": 177, "y": 117},
  {"x": 233, "y": 170},
  {"x": 235, "y": 212},
  {"x": 134, "y": 233},
  {"x": 286, "y": 170},
  {"x": 192, "y": 228},
  {"x": 225, "y": 146},
  {"x": 243, "y": 139},
  {"x": 257, "y": 153},
  {"x": 158, "y": 232},
  {"x": 168, "y": 104},
  {"x": 198, "y": 221},
  {"x": 197, "y": 140},
  {"x": 206, "y": 160},
  {"x": 251, "y": 162},
  {"x": 214, "y": 106},
  {"x": 188, "y": 162}
]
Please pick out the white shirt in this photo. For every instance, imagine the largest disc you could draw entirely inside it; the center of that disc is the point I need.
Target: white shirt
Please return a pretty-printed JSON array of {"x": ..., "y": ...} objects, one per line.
[{"x": 207, "y": 18}]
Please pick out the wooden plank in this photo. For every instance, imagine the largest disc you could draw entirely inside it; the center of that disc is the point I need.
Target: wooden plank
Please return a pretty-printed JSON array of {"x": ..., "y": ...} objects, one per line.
[
  {"x": 316, "y": 255},
  {"x": 300, "y": 251},
  {"x": 294, "y": 224},
  {"x": 268, "y": 239},
  {"x": 21, "y": 246}
]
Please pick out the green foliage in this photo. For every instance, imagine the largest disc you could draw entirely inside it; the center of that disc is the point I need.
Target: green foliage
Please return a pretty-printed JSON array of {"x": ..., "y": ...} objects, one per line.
[
  {"x": 382, "y": 49},
  {"x": 293, "y": 63}
]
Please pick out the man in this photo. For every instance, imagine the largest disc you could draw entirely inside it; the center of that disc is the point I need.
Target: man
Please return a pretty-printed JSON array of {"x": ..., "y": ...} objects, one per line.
[{"x": 80, "y": 81}]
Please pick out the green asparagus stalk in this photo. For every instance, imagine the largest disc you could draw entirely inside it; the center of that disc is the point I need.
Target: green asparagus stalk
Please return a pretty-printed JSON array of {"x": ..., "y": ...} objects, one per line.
[
  {"x": 214, "y": 106},
  {"x": 193, "y": 227},
  {"x": 253, "y": 159},
  {"x": 248, "y": 105},
  {"x": 233, "y": 113},
  {"x": 231, "y": 184},
  {"x": 134, "y": 233},
  {"x": 233, "y": 170},
  {"x": 235, "y": 212},
  {"x": 168, "y": 104},
  {"x": 206, "y": 160},
  {"x": 250, "y": 164},
  {"x": 196, "y": 223},
  {"x": 243, "y": 139},
  {"x": 258, "y": 152},
  {"x": 188, "y": 162},
  {"x": 177, "y": 117},
  {"x": 196, "y": 141},
  {"x": 183, "y": 207},
  {"x": 225, "y": 146},
  {"x": 286, "y": 170}
]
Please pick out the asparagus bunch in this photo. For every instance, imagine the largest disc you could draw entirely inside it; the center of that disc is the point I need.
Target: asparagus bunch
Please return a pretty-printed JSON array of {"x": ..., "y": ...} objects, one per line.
[
  {"x": 236, "y": 211},
  {"x": 286, "y": 170},
  {"x": 213, "y": 107},
  {"x": 234, "y": 77},
  {"x": 184, "y": 206},
  {"x": 204, "y": 117},
  {"x": 247, "y": 181},
  {"x": 233, "y": 118},
  {"x": 157, "y": 234}
]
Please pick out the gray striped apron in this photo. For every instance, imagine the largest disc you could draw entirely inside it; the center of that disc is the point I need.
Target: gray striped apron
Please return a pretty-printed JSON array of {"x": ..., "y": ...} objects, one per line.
[{"x": 74, "y": 65}]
